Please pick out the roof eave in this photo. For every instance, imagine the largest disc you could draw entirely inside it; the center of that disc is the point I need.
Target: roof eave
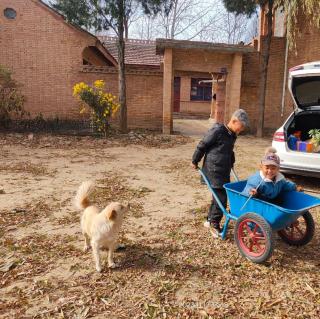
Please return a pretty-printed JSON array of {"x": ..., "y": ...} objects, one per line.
[
  {"x": 105, "y": 52},
  {"x": 162, "y": 44}
]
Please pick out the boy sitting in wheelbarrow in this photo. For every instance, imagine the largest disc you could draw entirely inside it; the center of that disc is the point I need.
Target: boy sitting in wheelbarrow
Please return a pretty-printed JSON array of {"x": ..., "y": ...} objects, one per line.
[
  {"x": 217, "y": 149},
  {"x": 268, "y": 183}
]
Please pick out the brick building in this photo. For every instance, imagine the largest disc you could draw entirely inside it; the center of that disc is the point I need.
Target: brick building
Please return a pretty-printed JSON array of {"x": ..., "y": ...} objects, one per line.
[
  {"x": 45, "y": 55},
  {"x": 221, "y": 62},
  {"x": 48, "y": 56},
  {"x": 278, "y": 104}
]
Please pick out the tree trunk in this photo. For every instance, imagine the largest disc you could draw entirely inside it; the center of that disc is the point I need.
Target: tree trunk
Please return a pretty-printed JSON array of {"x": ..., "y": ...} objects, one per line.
[
  {"x": 121, "y": 70},
  {"x": 174, "y": 17},
  {"x": 126, "y": 28},
  {"x": 264, "y": 71}
]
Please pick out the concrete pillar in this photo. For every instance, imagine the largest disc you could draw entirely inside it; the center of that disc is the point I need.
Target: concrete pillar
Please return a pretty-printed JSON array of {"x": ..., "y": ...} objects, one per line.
[{"x": 168, "y": 76}]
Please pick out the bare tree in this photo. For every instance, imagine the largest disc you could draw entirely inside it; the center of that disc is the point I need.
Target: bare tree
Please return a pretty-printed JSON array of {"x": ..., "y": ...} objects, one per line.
[
  {"x": 230, "y": 28},
  {"x": 187, "y": 20},
  {"x": 235, "y": 27},
  {"x": 144, "y": 27},
  {"x": 194, "y": 20}
]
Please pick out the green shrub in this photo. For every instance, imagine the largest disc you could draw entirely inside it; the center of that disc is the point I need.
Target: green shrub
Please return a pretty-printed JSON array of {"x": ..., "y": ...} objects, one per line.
[
  {"x": 11, "y": 100},
  {"x": 315, "y": 135}
]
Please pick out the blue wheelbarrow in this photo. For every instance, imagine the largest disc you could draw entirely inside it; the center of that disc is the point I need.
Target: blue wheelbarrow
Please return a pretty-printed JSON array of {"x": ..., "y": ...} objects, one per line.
[{"x": 256, "y": 220}]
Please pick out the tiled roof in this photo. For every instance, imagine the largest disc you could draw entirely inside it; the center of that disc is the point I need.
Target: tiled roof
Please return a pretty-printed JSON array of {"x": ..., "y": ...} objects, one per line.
[{"x": 137, "y": 52}]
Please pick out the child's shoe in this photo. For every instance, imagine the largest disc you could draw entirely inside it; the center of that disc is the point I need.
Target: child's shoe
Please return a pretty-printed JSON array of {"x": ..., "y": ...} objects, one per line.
[
  {"x": 206, "y": 224},
  {"x": 215, "y": 230}
]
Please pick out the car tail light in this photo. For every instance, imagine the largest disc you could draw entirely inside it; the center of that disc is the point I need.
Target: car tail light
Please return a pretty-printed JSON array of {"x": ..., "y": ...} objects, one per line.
[{"x": 278, "y": 137}]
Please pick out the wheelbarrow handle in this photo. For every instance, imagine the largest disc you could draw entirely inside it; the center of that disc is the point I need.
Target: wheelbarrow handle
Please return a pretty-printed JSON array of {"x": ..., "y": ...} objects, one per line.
[
  {"x": 214, "y": 194},
  {"x": 235, "y": 176},
  {"x": 245, "y": 204}
]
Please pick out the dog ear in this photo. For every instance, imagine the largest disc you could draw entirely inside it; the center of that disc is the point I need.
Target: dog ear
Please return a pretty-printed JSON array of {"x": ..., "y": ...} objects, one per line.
[{"x": 112, "y": 215}]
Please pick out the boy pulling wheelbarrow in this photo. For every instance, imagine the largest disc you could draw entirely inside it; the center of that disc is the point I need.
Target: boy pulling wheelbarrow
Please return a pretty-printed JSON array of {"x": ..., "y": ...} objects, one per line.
[{"x": 217, "y": 149}]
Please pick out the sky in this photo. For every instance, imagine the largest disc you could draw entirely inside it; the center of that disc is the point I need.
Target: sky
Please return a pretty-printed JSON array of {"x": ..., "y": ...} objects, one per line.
[{"x": 201, "y": 20}]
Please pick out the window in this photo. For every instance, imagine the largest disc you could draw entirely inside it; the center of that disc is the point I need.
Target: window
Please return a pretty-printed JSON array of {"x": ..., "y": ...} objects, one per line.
[
  {"x": 10, "y": 13},
  {"x": 306, "y": 90},
  {"x": 202, "y": 91}
]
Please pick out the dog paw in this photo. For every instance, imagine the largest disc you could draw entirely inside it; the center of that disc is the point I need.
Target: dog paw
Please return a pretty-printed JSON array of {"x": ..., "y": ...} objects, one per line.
[
  {"x": 98, "y": 268},
  {"x": 112, "y": 265}
]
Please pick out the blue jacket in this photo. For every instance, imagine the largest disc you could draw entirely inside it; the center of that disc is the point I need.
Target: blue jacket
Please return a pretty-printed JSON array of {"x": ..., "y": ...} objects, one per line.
[{"x": 268, "y": 189}]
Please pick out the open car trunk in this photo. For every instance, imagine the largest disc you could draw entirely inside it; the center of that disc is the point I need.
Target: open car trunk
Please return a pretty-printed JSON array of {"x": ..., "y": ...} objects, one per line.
[{"x": 303, "y": 122}]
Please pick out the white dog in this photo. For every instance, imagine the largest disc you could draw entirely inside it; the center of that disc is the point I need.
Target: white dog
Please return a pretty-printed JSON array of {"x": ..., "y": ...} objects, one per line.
[{"x": 101, "y": 229}]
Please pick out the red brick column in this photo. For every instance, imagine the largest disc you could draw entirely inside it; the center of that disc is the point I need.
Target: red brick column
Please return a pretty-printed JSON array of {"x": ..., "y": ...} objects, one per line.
[
  {"x": 234, "y": 90},
  {"x": 221, "y": 101},
  {"x": 167, "y": 91}
]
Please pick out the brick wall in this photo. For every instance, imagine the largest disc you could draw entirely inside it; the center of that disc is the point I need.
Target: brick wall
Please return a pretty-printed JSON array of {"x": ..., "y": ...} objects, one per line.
[
  {"x": 198, "y": 107},
  {"x": 307, "y": 50},
  {"x": 144, "y": 96},
  {"x": 250, "y": 84},
  {"x": 272, "y": 118},
  {"x": 200, "y": 61},
  {"x": 45, "y": 55}
]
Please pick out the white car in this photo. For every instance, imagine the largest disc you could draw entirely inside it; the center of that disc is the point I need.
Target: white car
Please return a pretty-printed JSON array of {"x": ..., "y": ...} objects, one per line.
[{"x": 304, "y": 86}]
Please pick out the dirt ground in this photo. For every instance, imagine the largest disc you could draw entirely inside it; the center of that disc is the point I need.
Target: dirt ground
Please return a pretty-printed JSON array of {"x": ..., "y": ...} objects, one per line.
[{"x": 171, "y": 266}]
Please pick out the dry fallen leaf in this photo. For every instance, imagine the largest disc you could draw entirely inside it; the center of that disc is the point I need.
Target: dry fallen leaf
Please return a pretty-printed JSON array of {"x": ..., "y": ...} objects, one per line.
[{"x": 8, "y": 265}]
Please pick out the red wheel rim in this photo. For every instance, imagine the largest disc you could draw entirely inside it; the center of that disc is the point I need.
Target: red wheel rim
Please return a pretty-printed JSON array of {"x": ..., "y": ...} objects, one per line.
[
  {"x": 297, "y": 230},
  {"x": 252, "y": 238}
]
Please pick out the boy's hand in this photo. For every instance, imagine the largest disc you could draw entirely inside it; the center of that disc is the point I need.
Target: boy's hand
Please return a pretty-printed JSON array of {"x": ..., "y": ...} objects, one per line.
[
  {"x": 195, "y": 166},
  {"x": 299, "y": 189},
  {"x": 253, "y": 192}
]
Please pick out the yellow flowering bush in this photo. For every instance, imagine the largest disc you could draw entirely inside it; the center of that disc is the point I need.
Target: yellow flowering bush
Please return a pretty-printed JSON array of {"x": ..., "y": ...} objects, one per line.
[{"x": 103, "y": 105}]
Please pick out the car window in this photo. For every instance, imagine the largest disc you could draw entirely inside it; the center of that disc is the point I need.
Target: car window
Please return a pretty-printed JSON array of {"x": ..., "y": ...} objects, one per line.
[{"x": 307, "y": 91}]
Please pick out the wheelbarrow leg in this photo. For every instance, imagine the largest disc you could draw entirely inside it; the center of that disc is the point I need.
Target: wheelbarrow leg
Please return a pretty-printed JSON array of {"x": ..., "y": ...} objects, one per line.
[{"x": 223, "y": 234}]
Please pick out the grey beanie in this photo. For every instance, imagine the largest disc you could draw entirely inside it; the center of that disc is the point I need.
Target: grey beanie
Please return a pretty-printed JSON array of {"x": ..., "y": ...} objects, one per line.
[{"x": 242, "y": 116}]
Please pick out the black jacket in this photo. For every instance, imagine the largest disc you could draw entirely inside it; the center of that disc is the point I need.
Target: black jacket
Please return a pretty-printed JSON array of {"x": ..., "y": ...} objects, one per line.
[{"x": 217, "y": 149}]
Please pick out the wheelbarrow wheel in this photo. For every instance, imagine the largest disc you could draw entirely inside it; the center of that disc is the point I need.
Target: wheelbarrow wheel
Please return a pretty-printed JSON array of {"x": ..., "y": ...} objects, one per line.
[
  {"x": 300, "y": 232},
  {"x": 253, "y": 236}
]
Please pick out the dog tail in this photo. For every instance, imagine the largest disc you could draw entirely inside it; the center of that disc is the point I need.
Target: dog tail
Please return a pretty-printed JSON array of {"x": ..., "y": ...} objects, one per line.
[{"x": 81, "y": 200}]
